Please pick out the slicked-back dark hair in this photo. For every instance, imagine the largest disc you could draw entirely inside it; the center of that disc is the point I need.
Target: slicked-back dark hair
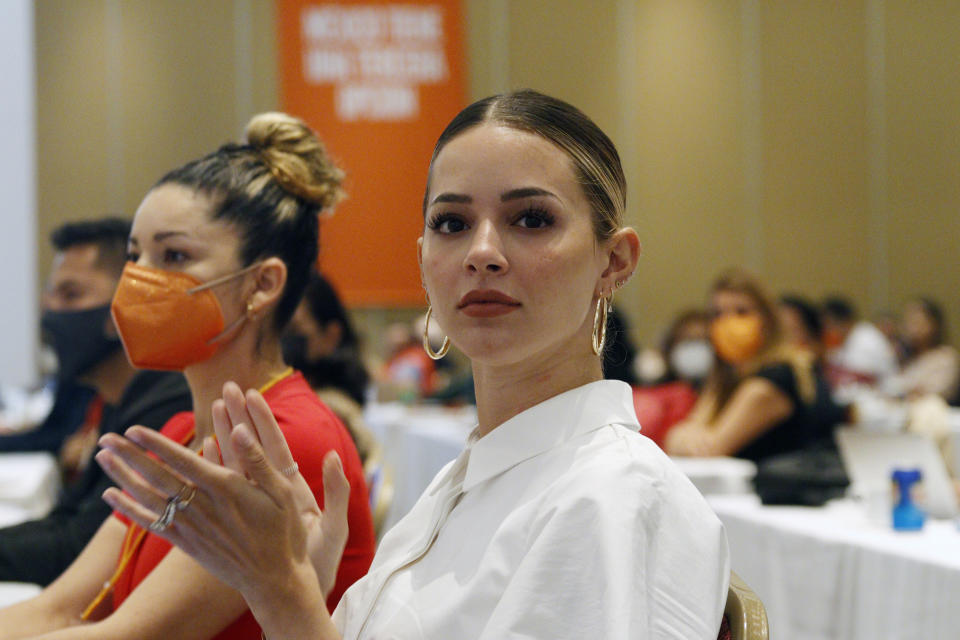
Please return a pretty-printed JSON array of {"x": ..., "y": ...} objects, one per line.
[{"x": 595, "y": 159}]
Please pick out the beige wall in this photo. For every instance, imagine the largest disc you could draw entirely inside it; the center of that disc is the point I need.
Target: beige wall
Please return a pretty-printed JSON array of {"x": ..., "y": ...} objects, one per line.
[
  {"x": 128, "y": 89},
  {"x": 816, "y": 142}
]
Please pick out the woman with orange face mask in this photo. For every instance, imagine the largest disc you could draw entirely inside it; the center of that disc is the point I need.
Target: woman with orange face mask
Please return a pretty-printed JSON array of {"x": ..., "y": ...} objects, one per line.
[
  {"x": 219, "y": 255},
  {"x": 762, "y": 396}
]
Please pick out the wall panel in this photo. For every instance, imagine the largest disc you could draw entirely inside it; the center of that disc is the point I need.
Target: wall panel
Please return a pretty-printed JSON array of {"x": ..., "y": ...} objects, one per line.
[
  {"x": 816, "y": 221},
  {"x": 923, "y": 97}
]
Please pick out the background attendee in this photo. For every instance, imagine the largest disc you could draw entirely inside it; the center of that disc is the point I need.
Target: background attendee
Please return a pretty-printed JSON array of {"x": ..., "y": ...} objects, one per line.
[
  {"x": 889, "y": 324},
  {"x": 76, "y": 310},
  {"x": 931, "y": 365},
  {"x": 219, "y": 254},
  {"x": 321, "y": 343},
  {"x": 802, "y": 326},
  {"x": 760, "y": 398},
  {"x": 856, "y": 351},
  {"x": 408, "y": 373},
  {"x": 558, "y": 520},
  {"x": 688, "y": 358},
  {"x": 89, "y": 259}
]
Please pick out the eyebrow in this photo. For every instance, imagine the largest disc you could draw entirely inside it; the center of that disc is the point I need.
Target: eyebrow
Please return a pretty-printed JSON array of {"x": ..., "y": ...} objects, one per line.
[
  {"x": 526, "y": 192},
  {"x": 163, "y": 235},
  {"x": 513, "y": 194},
  {"x": 452, "y": 197},
  {"x": 157, "y": 237}
]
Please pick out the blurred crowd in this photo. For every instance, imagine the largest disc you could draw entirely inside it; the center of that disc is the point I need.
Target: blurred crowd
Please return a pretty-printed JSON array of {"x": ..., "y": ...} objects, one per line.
[{"x": 748, "y": 374}]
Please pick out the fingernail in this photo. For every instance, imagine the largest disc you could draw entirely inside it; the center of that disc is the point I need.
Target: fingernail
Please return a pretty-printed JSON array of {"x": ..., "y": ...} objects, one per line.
[{"x": 133, "y": 434}]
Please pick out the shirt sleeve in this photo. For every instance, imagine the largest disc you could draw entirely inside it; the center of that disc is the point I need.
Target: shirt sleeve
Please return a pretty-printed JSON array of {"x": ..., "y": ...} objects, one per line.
[
  {"x": 868, "y": 352},
  {"x": 781, "y": 376},
  {"x": 644, "y": 560}
]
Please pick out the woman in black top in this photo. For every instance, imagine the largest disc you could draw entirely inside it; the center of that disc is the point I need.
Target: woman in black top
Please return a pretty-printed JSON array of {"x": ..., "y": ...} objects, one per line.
[{"x": 762, "y": 397}]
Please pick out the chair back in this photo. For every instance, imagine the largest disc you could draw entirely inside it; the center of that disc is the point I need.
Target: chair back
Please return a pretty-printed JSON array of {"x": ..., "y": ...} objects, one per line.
[{"x": 744, "y": 613}]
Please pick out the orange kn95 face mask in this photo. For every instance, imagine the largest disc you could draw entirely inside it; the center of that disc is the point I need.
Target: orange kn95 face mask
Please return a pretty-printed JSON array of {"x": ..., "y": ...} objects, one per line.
[
  {"x": 737, "y": 338},
  {"x": 169, "y": 320}
]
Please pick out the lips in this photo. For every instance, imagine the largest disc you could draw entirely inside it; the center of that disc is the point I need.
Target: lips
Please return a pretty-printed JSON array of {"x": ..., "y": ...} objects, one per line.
[{"x": 485, "y": 303}]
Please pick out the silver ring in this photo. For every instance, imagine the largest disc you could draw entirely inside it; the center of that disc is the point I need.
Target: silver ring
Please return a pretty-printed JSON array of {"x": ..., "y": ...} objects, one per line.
[
  {"x": 169, "y": 511},
  {"x": 292, "y": 469},
  {"x": 185, "y": 496}
]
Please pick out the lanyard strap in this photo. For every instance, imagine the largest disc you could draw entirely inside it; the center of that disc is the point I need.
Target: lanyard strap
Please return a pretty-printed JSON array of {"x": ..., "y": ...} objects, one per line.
[
  {"x": 132, "y": 542},
  {"x": 136, "y": 534}
]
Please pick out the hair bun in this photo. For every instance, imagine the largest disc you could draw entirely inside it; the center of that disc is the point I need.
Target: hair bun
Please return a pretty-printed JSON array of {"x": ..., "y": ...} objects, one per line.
[{"x": 296, "y": 157}]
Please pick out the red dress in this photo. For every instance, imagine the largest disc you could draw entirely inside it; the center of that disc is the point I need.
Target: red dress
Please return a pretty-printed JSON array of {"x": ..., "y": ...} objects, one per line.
[{"x": 311, "y": 430}]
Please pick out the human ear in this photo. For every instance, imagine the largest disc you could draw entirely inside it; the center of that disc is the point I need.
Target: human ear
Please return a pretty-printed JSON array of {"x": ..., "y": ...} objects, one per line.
[
  {"x": 270, "y": 278},
  {"x": 623, "y": 252}
]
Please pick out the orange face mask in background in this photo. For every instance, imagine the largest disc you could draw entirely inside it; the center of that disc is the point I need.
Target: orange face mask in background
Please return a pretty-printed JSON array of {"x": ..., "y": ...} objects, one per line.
[
  {"x": 832, "y": 338},
  {"x": 168, "y": 320},
  {"x": 737, "y": 338}
]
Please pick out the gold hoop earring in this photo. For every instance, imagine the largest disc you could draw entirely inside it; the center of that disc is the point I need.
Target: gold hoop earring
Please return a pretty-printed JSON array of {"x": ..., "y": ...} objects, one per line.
[
  {"x": 599, "y": 337},
  {"x": 434, "y": 355}
]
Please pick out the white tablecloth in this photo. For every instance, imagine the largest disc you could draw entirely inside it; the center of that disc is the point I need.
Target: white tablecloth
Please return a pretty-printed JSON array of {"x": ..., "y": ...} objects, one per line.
[
  {"x": 29, "y": 483},
  {"x": 718, "y": 476},
  {"x": 829, "y": 573},
  {"x": 14, "y": 592},
  {"x": 417, "y": 441}
]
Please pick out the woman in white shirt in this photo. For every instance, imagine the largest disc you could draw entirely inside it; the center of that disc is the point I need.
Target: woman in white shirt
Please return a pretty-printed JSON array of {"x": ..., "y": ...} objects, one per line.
[{"x": 558, "y": 520}]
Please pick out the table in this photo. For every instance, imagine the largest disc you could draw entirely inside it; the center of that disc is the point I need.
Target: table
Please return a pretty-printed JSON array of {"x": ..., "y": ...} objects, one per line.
[
  {"x": 718, "y": 476},
  {"x": 417, "y": 442},
  {"x": 830, "y": 573},
  {"x": 14, "y": 592},
  {"x": 29, "y": 483}
]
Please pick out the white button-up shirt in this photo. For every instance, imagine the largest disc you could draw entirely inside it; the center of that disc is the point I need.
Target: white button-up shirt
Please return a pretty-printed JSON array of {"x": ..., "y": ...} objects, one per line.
[{"x": 563, "y": 522}]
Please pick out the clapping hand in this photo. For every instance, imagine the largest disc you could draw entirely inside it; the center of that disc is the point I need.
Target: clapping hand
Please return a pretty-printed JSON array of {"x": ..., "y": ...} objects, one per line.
[{"x": 253, "y": 520}]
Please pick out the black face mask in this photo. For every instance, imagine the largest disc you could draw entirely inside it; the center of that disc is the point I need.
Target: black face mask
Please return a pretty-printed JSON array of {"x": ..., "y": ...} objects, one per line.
[{"x": 78, "y": 339}]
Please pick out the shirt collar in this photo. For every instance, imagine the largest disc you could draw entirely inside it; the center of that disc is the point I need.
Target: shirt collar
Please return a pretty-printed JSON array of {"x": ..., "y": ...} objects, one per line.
[{"x": 548, "y": 425}]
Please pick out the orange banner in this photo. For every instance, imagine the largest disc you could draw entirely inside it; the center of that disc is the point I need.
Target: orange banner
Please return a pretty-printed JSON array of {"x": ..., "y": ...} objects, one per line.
[{"x": 378, "y": 80}]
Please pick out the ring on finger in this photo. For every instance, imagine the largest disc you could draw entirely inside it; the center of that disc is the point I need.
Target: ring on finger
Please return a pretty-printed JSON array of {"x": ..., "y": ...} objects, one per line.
[
  {"x": 185, "y": 496},
  {"x": 292, "y": 469},
  {"x": 161, "y": 523}
]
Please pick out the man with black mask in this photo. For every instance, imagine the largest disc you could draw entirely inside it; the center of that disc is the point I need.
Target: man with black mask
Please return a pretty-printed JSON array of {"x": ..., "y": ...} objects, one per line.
[{"x": 76, "y": 321}]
